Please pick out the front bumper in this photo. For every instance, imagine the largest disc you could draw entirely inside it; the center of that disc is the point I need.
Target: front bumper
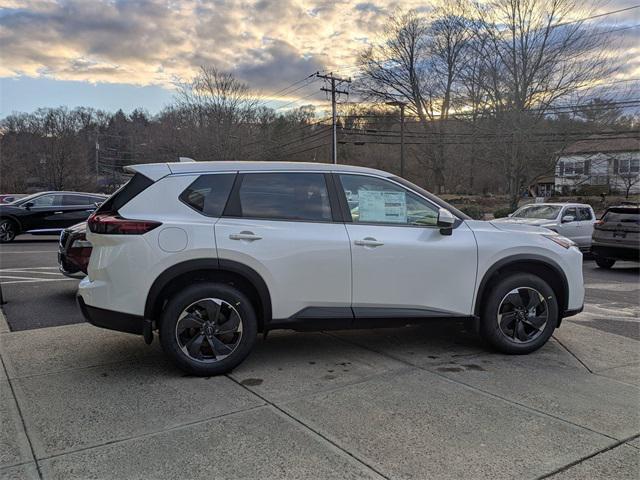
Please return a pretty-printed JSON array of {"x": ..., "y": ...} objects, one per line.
[{"x": 112, "y": 320}]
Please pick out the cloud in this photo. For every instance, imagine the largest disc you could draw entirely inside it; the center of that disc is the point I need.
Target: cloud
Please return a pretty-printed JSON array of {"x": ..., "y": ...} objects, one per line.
[{"x": 268, "y": 43}]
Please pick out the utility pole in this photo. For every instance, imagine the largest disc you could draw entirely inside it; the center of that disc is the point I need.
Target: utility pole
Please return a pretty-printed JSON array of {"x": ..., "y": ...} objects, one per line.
[
  {"x": 401, "y": 105},
  {"x": 335, "y": 82},
  {"x": 97, "y": 158}
]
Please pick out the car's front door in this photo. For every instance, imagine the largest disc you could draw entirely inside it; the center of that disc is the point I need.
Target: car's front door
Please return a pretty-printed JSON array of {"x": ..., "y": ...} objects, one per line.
[
  {"x": 402, "y": 264},
  {"x": 283, "y": 226},
  {"x": 42, "y": 212},
  {"x": 569, "y": 229}
]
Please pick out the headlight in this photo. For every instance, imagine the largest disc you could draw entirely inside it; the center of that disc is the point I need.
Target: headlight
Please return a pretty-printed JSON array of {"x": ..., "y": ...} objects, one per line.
[
  {"x": 560, "y": 240},
  {"x": 81, "y": 244}
]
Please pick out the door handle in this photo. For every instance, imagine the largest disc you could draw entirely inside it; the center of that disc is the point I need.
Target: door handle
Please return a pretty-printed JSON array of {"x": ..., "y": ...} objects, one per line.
[
  {"x": 250, "y": 236},
  {"x": 56, "y": 213},
  {"x": 368, "y": 242}
]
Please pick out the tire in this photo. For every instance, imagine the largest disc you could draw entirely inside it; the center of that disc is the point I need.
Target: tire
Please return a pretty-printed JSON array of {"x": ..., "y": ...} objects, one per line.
[
  {"x": 8, "y": 230},
  {"x": 519, "y": 336},
  {"x": 605, "y": 263},
  {"x": 189, "y": 337}
]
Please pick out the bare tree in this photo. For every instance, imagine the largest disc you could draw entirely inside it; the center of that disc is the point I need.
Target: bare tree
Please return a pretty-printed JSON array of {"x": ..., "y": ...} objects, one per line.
[{"x": 215, "y": 106}]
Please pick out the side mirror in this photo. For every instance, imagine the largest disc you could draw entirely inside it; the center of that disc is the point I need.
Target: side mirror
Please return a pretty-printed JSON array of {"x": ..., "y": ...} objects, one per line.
[
  {"x": 445, "y": 221},
  {"x": 568, "y": 218},
  {"x": 28, "y": 205}
]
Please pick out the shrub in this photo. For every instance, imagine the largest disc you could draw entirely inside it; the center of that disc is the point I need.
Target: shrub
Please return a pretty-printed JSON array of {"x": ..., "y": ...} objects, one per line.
[
  {"x": 474, "y": 211},
  {"x": 502, "y": 212}
]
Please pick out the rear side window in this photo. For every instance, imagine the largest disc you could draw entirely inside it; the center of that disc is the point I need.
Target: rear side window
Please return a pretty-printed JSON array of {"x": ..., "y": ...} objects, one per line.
[
  {"x": 285, "y": 196},
  {"x": 126, "y": 193},
  {"x": 208, "y": 193},
  {"x": 584, "y": 214}
]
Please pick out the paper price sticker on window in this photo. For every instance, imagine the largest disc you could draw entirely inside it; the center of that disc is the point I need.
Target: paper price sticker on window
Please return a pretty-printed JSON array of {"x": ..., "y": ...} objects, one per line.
[{"x": 384, "y": 207}]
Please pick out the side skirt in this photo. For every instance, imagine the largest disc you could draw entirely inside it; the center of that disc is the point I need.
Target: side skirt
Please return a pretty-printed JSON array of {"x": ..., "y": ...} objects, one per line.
[{"x": 344, "y": 318}]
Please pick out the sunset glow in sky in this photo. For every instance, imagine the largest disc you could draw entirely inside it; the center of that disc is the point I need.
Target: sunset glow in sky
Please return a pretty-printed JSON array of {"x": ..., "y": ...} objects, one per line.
[{"x": 123, "y": 54}]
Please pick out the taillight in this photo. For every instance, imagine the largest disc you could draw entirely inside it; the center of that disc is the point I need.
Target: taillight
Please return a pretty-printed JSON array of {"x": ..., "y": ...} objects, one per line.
[
  {"x": 109, "y": 223},
  {"x": 597, "y": 223}
]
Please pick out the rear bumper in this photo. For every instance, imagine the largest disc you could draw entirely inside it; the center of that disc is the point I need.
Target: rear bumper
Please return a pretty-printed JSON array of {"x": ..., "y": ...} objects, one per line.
[
  {"x": 617, "y": 252},
  {"x": 122, "y": 322}
]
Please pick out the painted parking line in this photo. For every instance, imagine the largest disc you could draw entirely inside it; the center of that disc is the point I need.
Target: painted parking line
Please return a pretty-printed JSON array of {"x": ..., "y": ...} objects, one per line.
[
  {"x": 2, "y": 252},
  {"x": 10, "y": 276}
]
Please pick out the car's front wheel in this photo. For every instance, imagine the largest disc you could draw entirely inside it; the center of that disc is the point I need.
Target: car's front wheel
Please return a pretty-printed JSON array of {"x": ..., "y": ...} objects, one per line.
[
  {"x": 519, "y": 314},
  {"x": 8, "y": 230},
  {"x": 208, "y": 329}
]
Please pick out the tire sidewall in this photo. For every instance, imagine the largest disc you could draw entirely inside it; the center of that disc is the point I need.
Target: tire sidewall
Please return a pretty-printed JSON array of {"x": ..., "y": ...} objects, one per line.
[
  {"x": 186, "y": 297},
  {"x": 13, "y": 229},
  {"x": 489, "y": 329}
]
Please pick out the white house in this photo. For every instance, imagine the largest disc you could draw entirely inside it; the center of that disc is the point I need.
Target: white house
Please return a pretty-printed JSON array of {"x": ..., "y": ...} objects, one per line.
[{"x": 610, "y": 163}]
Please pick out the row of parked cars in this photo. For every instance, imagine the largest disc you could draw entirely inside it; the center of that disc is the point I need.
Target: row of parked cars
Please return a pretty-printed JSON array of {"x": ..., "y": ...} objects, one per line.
[{"x": 210, "y": 254}]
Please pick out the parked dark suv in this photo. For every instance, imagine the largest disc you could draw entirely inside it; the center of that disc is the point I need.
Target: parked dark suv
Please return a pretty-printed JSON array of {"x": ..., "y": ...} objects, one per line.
[{"x": 616, "y": 236}]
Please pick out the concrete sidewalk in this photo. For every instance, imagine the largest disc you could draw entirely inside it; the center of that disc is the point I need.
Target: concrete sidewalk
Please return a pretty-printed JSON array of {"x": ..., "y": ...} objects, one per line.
[{"x": 419, "y": 402}]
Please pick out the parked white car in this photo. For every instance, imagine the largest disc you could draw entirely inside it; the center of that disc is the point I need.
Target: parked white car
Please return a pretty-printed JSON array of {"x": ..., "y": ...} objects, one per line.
[
  {"x": 572, "y": 220},
  {"x": 210, "y": 254}
]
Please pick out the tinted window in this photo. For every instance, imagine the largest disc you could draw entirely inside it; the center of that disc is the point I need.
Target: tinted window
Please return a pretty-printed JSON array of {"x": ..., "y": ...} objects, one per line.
[
  {"x": 620, "y": 215},
  {"x": 584, "y": 213},
  {"x": 373, "y": 200},
  {"x": 209, "y": 193},
  {"x": 47, "y": 201},
  {"x": 124, "y": 194},
  {"x": 70, "y": 200},
  {"x": 285, "y": 196}
]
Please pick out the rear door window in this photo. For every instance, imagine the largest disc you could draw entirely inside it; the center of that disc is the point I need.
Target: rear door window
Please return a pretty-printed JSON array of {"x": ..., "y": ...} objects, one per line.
[
  {"x": 76, "y": 200},
  {"x": 208, "y": 194},
  {"x": 284, "y": 196},
  {"x": 584, "y": 214}
]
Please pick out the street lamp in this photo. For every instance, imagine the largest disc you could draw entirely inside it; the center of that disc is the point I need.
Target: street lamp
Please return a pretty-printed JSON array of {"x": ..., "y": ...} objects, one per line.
[{"x": 401, "y": 105}]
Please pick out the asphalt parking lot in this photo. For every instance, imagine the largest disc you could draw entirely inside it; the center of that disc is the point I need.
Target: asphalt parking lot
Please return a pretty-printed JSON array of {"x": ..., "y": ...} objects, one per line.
[{"x": 416, "y": 402}]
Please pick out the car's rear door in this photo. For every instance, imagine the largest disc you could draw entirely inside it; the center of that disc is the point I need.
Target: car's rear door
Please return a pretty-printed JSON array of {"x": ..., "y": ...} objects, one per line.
[
  {"x": 586, "y": 219},
  {"x": 402, "y": 265},
  {"x": 285, "y": 226},
  {"x": 76, "y": 208}
]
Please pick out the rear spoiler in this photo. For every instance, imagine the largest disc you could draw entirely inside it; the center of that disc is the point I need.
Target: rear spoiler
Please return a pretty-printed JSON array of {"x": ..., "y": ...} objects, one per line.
[{"x": 153, "y": 171}]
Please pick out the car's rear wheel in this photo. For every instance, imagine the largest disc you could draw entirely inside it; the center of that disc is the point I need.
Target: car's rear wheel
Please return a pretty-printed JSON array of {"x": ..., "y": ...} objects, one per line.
[
  {"x": 8, "y": 230},
  {"x": 208, "y": 329},
  {"x": 603, "y": 262},
  {"x": 519, "y": 314}
]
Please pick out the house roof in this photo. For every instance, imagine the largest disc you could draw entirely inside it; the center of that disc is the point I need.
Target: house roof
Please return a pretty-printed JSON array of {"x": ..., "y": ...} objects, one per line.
[{"x": 604, "y": 144}]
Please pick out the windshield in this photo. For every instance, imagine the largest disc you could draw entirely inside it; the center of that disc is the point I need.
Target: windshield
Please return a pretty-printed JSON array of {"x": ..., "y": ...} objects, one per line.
[
  {"x": 546, "y": 212},
  {"x": 23, "y": 200}
]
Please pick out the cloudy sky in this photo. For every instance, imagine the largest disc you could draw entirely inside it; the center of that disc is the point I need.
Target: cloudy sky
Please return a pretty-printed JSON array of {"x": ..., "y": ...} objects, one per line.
[{"x": 123, "y": 54}]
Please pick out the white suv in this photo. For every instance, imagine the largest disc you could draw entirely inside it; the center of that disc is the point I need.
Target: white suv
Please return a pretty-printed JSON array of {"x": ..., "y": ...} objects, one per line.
[{"x": 210, "y": 254}]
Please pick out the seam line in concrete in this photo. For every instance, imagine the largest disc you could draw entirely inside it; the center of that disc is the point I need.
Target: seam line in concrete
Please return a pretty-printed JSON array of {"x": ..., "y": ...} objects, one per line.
[
  {"x": 313, "y": 430},
  {"x": 587, "y": 457},
  {"x": 150, "y": 434},
  {"x": 572, "y": 354},
  {"x": 4, "y": 325},
  {"x": 481, "y": 391},
  {"x": 24, "y": 424},
  {"x": 617, "y": 366}
]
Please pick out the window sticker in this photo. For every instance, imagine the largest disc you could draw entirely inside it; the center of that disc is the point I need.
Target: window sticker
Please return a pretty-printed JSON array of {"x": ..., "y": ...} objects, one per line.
[{"x": 379, "y": 206}]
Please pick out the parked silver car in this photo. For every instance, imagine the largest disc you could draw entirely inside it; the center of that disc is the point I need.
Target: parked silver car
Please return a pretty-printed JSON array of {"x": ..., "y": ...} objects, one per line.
[{"x": 572, "y": 220}]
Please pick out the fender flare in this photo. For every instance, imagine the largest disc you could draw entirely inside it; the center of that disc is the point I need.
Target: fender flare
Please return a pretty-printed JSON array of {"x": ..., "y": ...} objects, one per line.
[
  {"x": 523, "y": 257},
  {"x": 214, "y": 264}
]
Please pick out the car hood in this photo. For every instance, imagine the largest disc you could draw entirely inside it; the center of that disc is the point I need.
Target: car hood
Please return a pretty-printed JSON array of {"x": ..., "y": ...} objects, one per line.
[
  {"x": 523, "y": 221},
  {"x": 9, "y": 209},
  {"x": 520, "y": 227}
]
